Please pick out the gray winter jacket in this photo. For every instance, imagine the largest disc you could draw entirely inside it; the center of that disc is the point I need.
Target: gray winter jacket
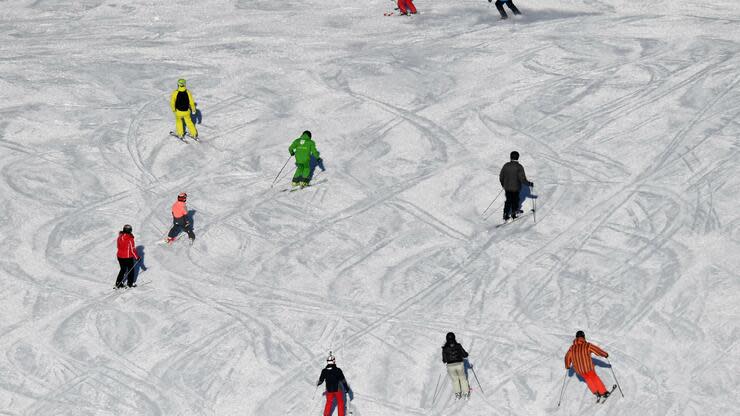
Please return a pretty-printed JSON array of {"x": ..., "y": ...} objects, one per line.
[{"x": 512, "y": 177}]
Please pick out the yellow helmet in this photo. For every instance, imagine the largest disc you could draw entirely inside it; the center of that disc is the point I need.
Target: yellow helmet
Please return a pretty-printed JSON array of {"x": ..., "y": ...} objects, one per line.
[{"x": 181, "y": 82}]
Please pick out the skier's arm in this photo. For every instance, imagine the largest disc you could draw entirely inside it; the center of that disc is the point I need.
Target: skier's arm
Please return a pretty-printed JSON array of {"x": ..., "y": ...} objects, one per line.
[
  {"x": 568, "y": 359},
  {"x": 321, "y": 378},
  {"x": 598, "y": 351},
  {"x": 291, "y": 148},
  {"x": 501, "y": 177},
  {"x": 444, "y": 359},
  {"x": 132, "y": 247},
  {"x": 464, "y": 353},
  {"x": 315, "y": 151},
  {"x": 523, "y": 176},
  {"x": 192, "y": 102},
  {"x": 172, "y": 100}
]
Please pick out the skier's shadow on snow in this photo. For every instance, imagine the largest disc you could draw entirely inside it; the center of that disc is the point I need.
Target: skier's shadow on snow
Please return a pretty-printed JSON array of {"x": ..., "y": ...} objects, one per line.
[
  {"x": 140, "y": 265},
  {"x": 191, "y": 218},
  {"x": 524, "y": 193}
]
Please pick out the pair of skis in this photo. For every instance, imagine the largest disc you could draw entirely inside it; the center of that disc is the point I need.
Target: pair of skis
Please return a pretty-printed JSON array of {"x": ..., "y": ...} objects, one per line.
[
  {"x": 602, "y": 399},
  {"x": 182, "y": 139}
]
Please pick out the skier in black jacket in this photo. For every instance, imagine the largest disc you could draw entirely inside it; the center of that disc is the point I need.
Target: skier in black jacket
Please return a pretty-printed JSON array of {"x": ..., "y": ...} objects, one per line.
[
  {"x": 512, "y": 177},
  {"x": 454, "y": 355},
  {"x": 334, "y": 379}
]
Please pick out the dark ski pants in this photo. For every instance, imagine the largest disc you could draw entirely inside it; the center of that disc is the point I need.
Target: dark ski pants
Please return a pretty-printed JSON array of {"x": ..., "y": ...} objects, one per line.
[
  {"x": 511, "y": 205},
  {"x": 510, "y": 3},
  {"x": 180, "y": 224},
  {"x": 127, "y": 272}
]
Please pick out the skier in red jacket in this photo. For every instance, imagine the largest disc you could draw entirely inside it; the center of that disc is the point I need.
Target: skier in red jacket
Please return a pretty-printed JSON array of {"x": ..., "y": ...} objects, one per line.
[
  {"x": 579, "y": 357},
  {"x": 180, "y": 220},
  {"x": 126, "y": 257},
  {"x": 406, "y": 7}
]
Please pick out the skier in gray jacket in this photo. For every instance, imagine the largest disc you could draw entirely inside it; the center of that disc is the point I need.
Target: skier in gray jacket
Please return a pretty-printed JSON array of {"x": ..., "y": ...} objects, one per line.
[{"x": 512, "y": 177}]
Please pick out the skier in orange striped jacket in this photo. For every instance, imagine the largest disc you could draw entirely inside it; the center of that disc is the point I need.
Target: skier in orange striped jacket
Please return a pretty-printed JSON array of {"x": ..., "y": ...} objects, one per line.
[{"x": 579, "y": 357}]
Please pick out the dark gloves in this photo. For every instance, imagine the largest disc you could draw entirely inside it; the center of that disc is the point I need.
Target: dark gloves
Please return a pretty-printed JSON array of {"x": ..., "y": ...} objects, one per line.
[
  {"x": 531, "y": 184},
  {"x": 292, "y": 154}
]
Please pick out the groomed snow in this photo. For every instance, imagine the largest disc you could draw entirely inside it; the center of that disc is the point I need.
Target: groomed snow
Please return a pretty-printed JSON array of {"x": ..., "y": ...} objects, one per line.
[{"x": 626, "y": 114}]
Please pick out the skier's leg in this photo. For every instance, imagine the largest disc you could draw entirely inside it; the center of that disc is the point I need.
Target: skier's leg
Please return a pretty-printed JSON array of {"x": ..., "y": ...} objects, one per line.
[
  {"x": 401, "y": 6},
  {"x": 453, "y": 371},
  {"x": 176, "y": 228},
  {"x": 122, "y": 272},
  {"x": 508, "y": 207},
  {"x": 189, "y": 230},
  {"x": 130, "y": 277},
  {"x": 464, "y": 385},
  {"x": 329, "y": 402},
  {"x": 340, "y": 403},
  {"x": 500, "y": 7},
  {"x": 189, "y": 121},
  {"x": 514, "y": 203},
  {"x": 513, "y": 8},
  {"x": 594, "y": 382},
  {"x": 410, "y": 6},
  {"x": 179, "y": 122},
  {"x": 305, "y": 173}
]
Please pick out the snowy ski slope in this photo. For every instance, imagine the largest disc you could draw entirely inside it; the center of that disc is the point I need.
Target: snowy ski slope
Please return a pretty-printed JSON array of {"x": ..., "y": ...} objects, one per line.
[{"x": 627, "y": 116}]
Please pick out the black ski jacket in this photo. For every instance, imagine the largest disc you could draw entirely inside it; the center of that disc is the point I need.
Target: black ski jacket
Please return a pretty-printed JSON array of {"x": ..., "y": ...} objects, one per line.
[
  {"x": 334, "y": 377},
  {"x": 453, "y": 353},
  {"x": 512, "y": 177}
]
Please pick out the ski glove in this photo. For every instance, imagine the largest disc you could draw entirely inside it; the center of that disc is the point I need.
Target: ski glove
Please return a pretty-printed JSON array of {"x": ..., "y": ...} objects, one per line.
[{"x": 531, "y": 184}]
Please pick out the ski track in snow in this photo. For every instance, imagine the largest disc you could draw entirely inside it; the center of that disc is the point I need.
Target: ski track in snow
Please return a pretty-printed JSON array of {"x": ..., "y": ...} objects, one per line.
[{"x": 627, "y": 124}]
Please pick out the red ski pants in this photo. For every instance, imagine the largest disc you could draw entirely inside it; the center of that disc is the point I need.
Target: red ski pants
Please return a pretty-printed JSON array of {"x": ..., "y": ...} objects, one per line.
[
  {"x": 330, "y": 397},
  {"x": 406, "y": 6},
  {"x": 594, "y": 382}
]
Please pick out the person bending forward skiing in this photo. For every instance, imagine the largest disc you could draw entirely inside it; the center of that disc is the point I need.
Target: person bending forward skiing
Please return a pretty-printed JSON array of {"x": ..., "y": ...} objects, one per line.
[
  {"x": 183, "y": 105},
  {"x": 180, "y": 220},
  {"x": 334, "y": 377},
  {"x": 454, "y": 355},
  {"x": 303, "y": 148},
  {"x": 579, "y": 356},
  {"x": 512, "y": 177},
  {"x": 127, "y": 256}
]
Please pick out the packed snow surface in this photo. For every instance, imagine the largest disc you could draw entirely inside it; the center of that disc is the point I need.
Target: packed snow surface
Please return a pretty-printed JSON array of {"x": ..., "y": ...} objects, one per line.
[{"x": 627, "y": 117}]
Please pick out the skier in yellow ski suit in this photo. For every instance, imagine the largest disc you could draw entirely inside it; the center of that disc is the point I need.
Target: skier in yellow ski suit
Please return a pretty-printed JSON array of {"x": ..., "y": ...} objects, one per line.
[{"x": 182, "y": 105}]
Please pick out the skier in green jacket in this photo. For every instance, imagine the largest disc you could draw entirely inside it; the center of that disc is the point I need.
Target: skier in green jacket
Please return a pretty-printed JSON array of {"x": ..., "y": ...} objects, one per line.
[{"x": 303, "y": 148}]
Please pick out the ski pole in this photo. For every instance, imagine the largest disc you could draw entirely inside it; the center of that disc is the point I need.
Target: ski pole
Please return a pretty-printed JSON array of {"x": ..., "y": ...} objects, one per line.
[
  {"x": 281, "y": 171},
  {"x": 476, "y": 379},
  {"x": 562, "y": 389},
  {"x": 314, "y": 393},
  {"x": 125, "y": 275},
  {"x": 494, "y": 200},
  {"x": 611, "y": 367},
  {"x": 534, "y": 209},
  {"x": 434, "y": 398}
]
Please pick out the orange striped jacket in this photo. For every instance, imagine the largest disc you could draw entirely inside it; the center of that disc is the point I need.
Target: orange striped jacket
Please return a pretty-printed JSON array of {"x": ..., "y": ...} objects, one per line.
[{"x": 579, "y": 356}]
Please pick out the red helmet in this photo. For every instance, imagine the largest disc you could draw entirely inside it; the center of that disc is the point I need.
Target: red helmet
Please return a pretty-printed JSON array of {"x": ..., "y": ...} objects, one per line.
[{"x": 182, "y": 196}]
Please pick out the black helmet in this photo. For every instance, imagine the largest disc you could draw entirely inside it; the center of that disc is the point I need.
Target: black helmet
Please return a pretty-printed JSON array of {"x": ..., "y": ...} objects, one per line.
[
  {"x": 307, "y": 133},
  {"x": 514, "y": 155},
  {"x": 450, "y": 337},
  {"x": 580, "y": 334},
  {"x": 182, "y": 196},
  {"x": 127, "y": 229}
]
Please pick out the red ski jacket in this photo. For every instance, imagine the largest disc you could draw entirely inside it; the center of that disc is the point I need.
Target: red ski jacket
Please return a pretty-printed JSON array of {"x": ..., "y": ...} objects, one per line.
[
  {"x": 126, "y": 246},
  {"x": 579, "y": 355},
  {"x": 179, "y": 209}
]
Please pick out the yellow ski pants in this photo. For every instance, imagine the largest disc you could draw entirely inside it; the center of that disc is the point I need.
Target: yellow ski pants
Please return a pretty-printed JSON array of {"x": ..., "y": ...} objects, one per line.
[{"x": 179, "y": 117}]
